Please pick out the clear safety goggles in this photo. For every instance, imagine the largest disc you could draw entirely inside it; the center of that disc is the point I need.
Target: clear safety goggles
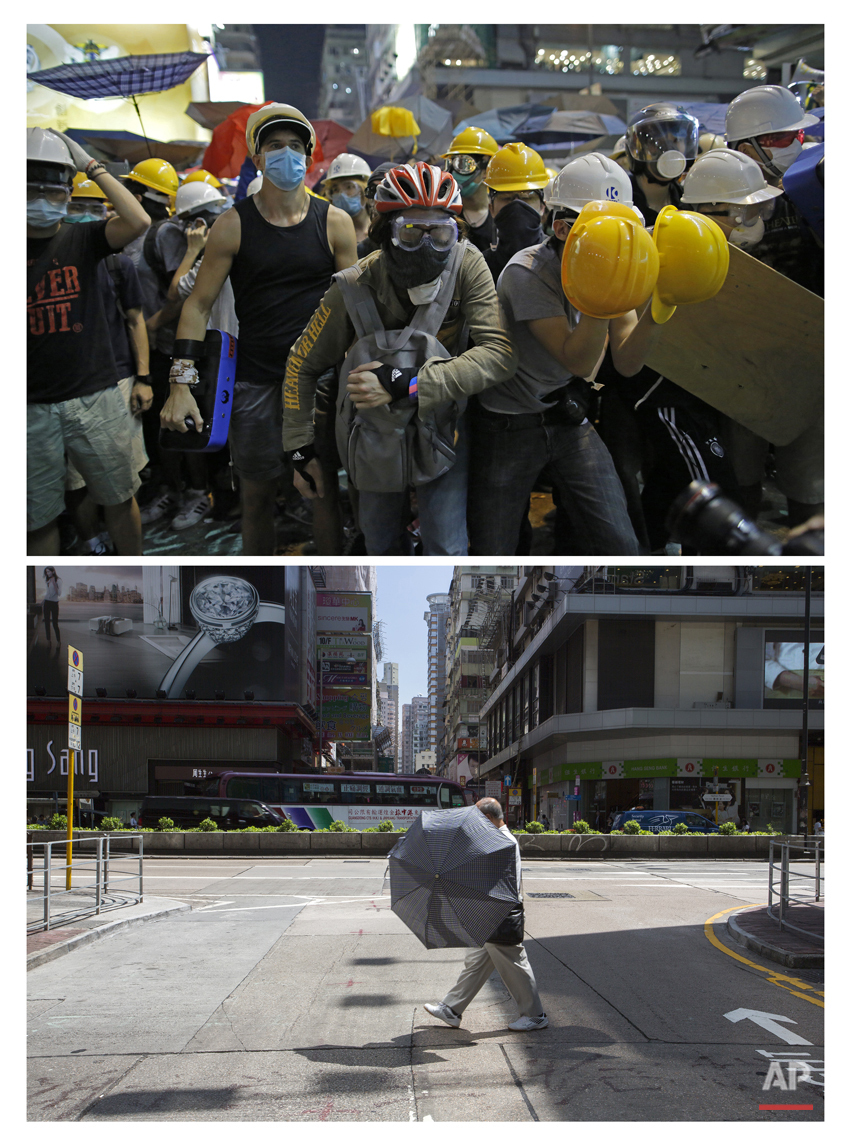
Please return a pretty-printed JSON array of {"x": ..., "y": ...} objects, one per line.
[
  {"x": 87, "y": 207},
  {"x": 467, "y": 164},
  {"x": 742, "y": 214},
  {"x": 411, "y": 233},
  {"x": 54, "y": 192}
]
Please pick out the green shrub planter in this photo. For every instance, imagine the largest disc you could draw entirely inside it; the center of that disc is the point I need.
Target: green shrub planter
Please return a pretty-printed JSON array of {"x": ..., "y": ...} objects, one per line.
[
  {"x": 239, "y": 843},
  {"x": 531, "y": 844},
  {"x": 160, "y": 842},
  {"x": 204, "y": 842},
  {"x": 634, "y": 845},
  {"x": 379, "y": 843},
  {"x": 336, "y": 841},
  {"x": 284, "y": 842}
]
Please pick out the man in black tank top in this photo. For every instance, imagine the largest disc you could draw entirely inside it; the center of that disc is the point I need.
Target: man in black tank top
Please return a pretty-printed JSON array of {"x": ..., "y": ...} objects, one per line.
[{"x": 280, "y": 247}]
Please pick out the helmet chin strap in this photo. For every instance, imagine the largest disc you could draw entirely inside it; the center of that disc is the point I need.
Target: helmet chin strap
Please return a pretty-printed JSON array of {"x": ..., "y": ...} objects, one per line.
[{"x": 764, "y": 159}]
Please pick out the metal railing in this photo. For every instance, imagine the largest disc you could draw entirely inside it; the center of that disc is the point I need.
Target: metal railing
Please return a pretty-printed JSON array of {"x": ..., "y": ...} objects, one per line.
[
  {"x": 46, "y": 878},
  {"x": 780, "y": 887}
]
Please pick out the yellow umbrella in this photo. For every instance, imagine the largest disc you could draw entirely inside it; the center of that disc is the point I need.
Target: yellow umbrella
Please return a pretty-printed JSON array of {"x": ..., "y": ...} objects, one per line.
[{"x": 395, "y": 122}]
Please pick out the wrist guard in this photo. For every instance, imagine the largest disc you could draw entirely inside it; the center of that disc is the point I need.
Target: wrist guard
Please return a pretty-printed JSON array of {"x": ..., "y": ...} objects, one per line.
[
  {"x": 188, "y": 348},
  {"x": 395, "y": 380},
  {"x": 301, "y": 458},
  {"x": 183, "y": 372}
]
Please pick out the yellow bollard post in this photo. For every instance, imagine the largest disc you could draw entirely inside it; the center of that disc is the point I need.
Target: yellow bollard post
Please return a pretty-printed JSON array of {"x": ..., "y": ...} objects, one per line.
[{"x": 70, "y": 814}]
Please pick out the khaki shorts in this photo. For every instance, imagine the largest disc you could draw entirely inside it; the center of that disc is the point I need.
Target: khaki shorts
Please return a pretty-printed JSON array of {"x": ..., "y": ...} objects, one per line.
[
  {"x": 75, "y": 480},
  {"x": 94, "y": 433}
]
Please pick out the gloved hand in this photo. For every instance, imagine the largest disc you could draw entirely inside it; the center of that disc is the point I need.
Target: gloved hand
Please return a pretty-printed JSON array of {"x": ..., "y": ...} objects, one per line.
[{"x": 80, "y": 156}]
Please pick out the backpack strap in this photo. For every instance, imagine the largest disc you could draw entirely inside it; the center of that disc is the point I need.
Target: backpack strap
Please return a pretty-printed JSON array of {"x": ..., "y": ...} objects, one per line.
[
  {"x": 114, "y": 268},
  {"x": 360, "y": 303}
]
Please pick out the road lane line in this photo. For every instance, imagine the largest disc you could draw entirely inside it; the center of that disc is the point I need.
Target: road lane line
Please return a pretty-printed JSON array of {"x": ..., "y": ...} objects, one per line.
[{"x": 774, "y": 977}]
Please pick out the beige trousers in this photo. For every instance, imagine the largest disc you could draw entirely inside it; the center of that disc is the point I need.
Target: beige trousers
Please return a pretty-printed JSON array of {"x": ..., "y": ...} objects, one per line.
[{"x": 512, "y": 965}]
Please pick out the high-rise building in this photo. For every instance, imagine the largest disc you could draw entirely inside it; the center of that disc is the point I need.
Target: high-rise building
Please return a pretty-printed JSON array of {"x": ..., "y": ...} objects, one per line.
[
  {"x": 389, "y": 707},
  {"x": 415, "y": 719},
  {"x": 477, "y": 597},
  {"x": 435, "y": 617}
]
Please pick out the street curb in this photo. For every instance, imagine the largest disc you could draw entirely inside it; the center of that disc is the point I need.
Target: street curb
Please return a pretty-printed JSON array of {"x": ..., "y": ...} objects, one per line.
[
  {"x": 773, "y": 952},
  {"x": 39, "y": 957}
]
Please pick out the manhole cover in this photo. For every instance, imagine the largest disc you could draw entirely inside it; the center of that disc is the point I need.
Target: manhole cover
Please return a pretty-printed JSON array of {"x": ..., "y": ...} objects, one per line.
[{"x": 549, "y": 895}]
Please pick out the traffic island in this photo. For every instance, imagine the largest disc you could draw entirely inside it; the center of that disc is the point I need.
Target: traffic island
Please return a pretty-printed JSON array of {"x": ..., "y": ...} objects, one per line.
[{"x": 758, "y": 931}]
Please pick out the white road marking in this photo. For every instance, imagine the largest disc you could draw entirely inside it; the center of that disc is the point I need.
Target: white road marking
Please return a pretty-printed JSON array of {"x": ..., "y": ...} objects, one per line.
[{"x": 768, "y": 1021}]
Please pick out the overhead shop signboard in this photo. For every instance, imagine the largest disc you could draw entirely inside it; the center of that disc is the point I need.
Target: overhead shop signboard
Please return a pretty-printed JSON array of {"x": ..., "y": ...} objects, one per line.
[{"x": 346, "y": 613}]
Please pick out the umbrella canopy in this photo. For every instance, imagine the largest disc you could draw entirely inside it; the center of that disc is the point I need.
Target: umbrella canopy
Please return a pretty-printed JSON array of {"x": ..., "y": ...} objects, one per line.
[
  {"x": 453, "y": 878},
  {"x": 565, "y": 126},
  {"x": 334, "y": 140},
  {"x": 503, "y": 122},
  {"x": 436, "y": 132},
  {"x": 227, "y": 150},
  {"x": 127, "y": 75},
  {"x": 125, "y": 145}
]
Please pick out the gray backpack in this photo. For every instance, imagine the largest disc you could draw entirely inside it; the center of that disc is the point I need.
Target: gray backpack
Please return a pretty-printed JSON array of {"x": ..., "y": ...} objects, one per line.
[{"x": 390, "y": 447}]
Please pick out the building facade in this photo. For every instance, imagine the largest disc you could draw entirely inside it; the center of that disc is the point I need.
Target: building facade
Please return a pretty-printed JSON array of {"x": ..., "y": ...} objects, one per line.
[
  {"x": 435, "y": 618},
  {"x": 623, "y": 687}
]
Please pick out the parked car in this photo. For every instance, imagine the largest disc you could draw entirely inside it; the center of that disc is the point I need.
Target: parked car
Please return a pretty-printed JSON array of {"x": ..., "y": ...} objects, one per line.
[
  {"x": 657, "y": 820},
  {"x": 189, "y": 811}
]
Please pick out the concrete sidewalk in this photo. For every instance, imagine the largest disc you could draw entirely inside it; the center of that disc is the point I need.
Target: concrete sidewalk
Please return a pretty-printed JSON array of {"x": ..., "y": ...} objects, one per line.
[
  {"x": 48, "y": 944},
  {"x": 758, "y": 931}
]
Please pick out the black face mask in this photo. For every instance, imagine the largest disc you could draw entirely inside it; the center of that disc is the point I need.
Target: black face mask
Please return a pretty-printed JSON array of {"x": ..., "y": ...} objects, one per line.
[
  {"x": 156, "y": 211},
  {"x": 409, "y": 268},
  {"x": 519, "y": 225}
]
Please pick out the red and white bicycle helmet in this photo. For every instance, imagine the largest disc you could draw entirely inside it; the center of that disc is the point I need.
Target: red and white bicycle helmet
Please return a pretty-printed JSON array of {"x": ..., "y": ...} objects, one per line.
[{"x": 418, "y": 185}]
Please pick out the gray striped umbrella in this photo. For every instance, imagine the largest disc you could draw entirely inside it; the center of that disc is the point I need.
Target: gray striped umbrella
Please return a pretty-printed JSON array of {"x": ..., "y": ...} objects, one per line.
[{"x": 453, "y": 878}]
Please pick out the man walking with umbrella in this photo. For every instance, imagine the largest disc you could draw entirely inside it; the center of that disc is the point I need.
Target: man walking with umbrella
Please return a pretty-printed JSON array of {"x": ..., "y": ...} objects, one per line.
[{"x": 503, "y": 951}]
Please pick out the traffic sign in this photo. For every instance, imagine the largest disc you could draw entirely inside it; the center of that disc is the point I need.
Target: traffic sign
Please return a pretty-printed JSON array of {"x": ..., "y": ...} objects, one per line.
[
  {"x": 725, "y": 796},
  {"x": 493, "y": 788},
  {"x": 75, "y": 681},
  {"x": 75, "y": 737},
  {"x": 507, "y": 780},
  {"x": 75, "y": 710},
  {"x": 75, "y": 658}
]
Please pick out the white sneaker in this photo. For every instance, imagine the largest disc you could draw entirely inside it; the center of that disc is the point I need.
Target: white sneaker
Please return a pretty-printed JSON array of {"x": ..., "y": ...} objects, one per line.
[
  {"x": 165, "y": 503},
  {"x": 443, "y": 1013},
  {"x": 524, "y": 1024},
  {"x": 193, "y": 509}
]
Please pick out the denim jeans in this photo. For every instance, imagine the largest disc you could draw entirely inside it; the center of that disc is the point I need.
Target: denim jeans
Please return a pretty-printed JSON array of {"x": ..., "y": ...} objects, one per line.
[
  {"x": 442, "y": 505},
  {"x": 507, "y": 452}
]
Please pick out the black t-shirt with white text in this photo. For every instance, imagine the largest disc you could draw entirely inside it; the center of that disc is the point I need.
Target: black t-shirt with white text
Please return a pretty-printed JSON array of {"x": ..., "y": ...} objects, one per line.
[{"x": 69, "y": 352}]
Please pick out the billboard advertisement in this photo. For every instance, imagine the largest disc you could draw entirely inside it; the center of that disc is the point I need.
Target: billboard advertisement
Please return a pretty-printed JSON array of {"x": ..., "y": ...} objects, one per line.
[
  {"x": 149, "y": 629},
  {"x": 346, "y": 613},
  {"x": 784, "y": 669},
  {"x": 345, "y": 714}
]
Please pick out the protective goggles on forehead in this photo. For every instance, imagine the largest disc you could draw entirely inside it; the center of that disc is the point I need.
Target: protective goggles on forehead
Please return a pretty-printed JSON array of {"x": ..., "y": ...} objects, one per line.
[
  {"x": 467, "y": 164},
  {"x": 54, "y": 192},
  {"x": 411, "y": 233}
]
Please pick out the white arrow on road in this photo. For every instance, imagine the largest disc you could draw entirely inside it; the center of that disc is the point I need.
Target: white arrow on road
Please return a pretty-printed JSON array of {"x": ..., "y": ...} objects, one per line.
[{"x": 768, "y": 1021}]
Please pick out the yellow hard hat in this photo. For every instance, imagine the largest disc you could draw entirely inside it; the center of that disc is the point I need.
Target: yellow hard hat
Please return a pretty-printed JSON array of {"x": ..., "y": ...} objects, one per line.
[
  {"x": 693, "y": 260},
  {"x": 553, "y": 172},
  {"x": 609, "y": 265},
  {"x": 158, "y": 174},
  {"x": 84, "y": 188},
  {"x": 516, "y": 167},
  {"x": 287, "y": 116},
  {"x": 472, "y": 141},
  {"x": 201, "y": 176}
]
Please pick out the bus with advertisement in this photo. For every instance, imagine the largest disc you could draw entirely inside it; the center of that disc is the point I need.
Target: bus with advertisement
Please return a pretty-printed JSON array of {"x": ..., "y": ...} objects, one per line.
[{"x": 357, "y": 798}]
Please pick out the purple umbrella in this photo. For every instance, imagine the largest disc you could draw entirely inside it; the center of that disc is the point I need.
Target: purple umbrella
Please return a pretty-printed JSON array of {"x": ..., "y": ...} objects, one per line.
[{"x": 127, "y": 76}]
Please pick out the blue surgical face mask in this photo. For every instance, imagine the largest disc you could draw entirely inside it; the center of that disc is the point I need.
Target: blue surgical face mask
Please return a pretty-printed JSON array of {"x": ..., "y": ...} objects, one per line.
[
  {"x": 351, "y": 204},
  {"x": 468, "y": 184},
  {"x": 41, "y": 214},
  {"x": 285, "y": 168}
]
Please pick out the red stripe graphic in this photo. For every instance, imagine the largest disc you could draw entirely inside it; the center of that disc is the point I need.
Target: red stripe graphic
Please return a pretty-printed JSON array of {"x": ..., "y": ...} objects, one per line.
[{"x": 785, "y": 1107}]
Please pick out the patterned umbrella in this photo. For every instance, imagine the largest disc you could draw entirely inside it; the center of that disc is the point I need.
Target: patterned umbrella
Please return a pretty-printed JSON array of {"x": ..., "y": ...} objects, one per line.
[
  {"x": 453, "y": 878},
  {"x": 126, "y": 76}
]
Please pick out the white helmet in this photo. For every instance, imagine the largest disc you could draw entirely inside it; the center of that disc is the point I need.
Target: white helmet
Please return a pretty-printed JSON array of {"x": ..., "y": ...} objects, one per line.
[
  {"x": 589, "y": 177},
  {"x": 620, "y": 146},
  {"x": 254, "y": 186},
  {"x": 763, "y": 110},
  {"x": 348, "y": 166},
  {"x": 193, "y": 197},
  {"x": 709, "y": 141},
  {"x": 727, "y": 177},
  {"x": 43, "y": 147}
]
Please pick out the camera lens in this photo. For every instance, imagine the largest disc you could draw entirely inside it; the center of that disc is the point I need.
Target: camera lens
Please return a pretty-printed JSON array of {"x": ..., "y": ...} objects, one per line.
[{"x": 704, "y": 518}]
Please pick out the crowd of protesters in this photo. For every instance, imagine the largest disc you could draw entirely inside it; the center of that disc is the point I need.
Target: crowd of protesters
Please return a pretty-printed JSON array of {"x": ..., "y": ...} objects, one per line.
[{"x": 408, "y": 330}]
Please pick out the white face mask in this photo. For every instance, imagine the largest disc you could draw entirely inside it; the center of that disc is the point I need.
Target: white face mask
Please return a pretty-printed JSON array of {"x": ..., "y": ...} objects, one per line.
[
  {"x": 747, "y": 234},
  {"x": 783, "y": 157},
  {"x": 420, "y": 295}
]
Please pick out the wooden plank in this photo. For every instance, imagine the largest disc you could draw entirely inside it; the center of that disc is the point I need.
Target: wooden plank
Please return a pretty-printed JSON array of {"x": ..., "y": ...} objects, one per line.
[{"x": 755, "y": 351}]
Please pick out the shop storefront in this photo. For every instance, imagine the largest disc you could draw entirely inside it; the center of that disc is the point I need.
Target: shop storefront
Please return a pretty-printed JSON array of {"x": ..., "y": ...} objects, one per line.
[{"x": 760, "y": 790}]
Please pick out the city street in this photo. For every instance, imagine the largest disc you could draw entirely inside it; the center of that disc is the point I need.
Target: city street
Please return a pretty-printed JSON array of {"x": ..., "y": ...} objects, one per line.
[{"x": 292, "y": 992}]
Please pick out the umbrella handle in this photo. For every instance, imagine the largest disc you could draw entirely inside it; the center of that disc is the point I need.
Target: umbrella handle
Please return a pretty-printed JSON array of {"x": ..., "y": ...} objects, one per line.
[{"x": 142, "y": 125}]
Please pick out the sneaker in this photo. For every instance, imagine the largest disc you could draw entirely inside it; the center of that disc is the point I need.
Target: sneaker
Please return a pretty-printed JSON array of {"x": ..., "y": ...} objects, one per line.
[
  {"x": 165, "y": 503},
  {"x": 93, "y": 547},
  {"x": 524, "y": 1024},
  {"x": 193, "y": 509},
  {"x": 443, "y": 1013}
]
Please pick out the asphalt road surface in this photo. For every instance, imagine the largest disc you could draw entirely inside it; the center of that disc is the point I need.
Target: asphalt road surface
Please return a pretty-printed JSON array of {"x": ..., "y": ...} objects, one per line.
[{"x": 292, "y": 992}]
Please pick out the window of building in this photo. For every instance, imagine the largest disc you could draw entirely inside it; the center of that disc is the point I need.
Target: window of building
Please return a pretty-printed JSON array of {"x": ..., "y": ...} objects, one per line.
[
  {"x": 753, "y": 69},
  {"x": 659, "y": 62},
  {"x": 608, "y": 59}
]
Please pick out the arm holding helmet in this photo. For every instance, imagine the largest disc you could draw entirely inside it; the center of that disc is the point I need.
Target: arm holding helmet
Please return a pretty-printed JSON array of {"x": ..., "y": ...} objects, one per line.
[
  {"x": 131, "y": 219},
  {"x": 632, "y": 338},
  {"x": 222, "y": 246}
]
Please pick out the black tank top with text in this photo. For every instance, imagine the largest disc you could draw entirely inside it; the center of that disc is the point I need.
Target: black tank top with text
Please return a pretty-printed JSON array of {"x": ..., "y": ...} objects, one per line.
[{"x": 279, "y": 275}]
